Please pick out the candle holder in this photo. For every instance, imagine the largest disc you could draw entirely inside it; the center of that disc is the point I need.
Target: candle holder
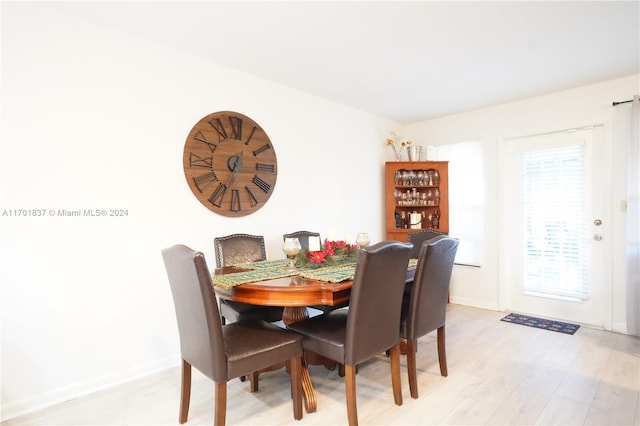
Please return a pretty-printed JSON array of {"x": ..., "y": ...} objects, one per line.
[
  {"x": 291, "y": 248},
  {"x": 362, "y": 239}
]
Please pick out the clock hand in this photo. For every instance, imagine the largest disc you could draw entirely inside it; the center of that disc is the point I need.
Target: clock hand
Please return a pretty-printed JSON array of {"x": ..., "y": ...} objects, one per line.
[{"x": 237, "y": 166}]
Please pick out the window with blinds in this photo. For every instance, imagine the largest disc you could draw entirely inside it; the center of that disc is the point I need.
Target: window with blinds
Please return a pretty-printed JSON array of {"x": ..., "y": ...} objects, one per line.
[
  {"x": 466, "y": 199},
  {"x": 554, "y": 208}
]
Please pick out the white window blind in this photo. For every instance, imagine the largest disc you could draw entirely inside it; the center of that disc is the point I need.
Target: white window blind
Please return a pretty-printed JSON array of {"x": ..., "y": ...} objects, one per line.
[
  {"x": 555, "y": 206},
  {"x": 466, "y": 198}
]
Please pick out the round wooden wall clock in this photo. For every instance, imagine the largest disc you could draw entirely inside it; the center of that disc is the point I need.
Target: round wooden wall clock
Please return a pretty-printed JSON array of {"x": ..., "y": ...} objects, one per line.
[{"x": 230, "y": 164}]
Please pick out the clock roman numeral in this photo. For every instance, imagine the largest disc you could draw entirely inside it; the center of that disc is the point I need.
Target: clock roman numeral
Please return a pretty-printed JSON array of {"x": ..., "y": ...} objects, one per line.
[
  {"x": 253, "y": 131},
  {"x": 262, "y": 149},
  {"x": 236, "y": 127},
  {"x": 252, "y": 198},
  {"x": 218, "y": 195},
  {"x": 262, "y": 167},
  {"x": 235, "y": 201},
  {"x": 205, "y": 181},
  {"x": 200, "y": 138},
  {"x": 203, "y": 162},
  {"x": 261, "y": 184},
  {"x": 218, "y": 127}
]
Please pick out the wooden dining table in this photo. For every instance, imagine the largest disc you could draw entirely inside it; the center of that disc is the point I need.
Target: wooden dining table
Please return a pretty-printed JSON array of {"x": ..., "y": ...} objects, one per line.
[{"x": 294, "y": 293}]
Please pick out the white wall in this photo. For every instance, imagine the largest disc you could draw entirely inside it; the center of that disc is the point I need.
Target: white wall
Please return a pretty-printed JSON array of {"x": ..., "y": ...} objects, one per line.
[
  {"x": 93, "y": 119},
  {"x": 588, "y": 105}
]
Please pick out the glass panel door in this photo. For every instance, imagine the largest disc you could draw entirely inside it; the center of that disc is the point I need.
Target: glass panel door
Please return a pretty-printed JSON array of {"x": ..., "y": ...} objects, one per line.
[
  {"x": 554, "y": 217},
  {"x": 556, "y": 225}
]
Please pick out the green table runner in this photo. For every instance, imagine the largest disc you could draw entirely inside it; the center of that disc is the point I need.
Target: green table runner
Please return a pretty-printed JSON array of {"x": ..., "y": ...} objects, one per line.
[
  {"x": 228, "y": 281},
  {"x": 332, "y": 274},
  {"x": 265, "y": 264},
  {"x": 272, "y": 269}
]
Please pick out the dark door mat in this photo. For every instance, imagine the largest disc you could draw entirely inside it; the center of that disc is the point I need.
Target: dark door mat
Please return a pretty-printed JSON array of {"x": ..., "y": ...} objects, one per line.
[{"x": 560, "y": 327}]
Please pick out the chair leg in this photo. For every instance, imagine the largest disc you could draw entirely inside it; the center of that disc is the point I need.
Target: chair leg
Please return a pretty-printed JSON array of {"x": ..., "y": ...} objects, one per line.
[
  {"x": 296, "y": 386},
  {"x": 341, "y": 369},
  {"x": 350, "y": 386},
  {"x": 411, "y": 368},
  {"x": 220, "y": 416},
  {"x": 395, "y": 374},
  {"x": 253, "y": 379},
  {"x": 185, "y": 392},
  {"x": 442, "y": 352}
]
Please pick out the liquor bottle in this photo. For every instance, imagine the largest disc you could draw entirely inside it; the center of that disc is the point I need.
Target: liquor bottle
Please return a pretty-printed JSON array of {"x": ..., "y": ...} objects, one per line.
[{"x": 435, "y": 221}]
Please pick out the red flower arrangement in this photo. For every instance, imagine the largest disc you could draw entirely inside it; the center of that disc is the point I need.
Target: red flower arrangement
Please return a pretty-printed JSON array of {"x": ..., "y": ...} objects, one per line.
[{"x": 332, "y": 252}]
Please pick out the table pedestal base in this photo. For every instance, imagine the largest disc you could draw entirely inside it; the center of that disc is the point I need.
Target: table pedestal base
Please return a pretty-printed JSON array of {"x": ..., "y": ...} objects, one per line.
[{"x": 290, "y": 315}]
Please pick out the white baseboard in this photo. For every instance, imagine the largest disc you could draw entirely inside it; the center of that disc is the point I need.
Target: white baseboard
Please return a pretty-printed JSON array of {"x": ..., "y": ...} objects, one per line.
[
  {"x": 475, "y": 303},
  {"x": 619, "y": 327},
  {"x": 38, "y": 402}
]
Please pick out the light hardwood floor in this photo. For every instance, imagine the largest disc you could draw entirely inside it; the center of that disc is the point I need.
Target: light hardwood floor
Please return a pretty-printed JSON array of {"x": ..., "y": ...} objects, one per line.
[{"x": 499, "y": 374}]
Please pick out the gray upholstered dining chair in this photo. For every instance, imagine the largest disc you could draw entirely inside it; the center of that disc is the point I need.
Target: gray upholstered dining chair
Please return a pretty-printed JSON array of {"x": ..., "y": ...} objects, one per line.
[
  {"x": 420, "y": 236},
  {"x": 424, "y": 308},
  {"x": 239, "y": 248},
  {"x": 370, "y": 325},
  {"x": 302, "y": 236},
  {"x": 222, "y": 352},
  {"x": 236, "y": 249}
]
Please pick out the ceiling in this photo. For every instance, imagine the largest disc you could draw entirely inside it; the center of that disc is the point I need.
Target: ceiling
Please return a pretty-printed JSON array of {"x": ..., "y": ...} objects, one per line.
[{"x": 404, "y": 61}]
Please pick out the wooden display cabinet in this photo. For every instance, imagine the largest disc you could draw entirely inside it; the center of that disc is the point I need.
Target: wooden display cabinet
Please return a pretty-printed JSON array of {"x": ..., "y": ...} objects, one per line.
[{"x": 416, "y": 193}]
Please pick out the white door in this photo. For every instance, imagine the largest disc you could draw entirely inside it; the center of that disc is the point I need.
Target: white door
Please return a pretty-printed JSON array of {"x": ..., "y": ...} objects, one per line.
[{"x": 556, "y": 227}]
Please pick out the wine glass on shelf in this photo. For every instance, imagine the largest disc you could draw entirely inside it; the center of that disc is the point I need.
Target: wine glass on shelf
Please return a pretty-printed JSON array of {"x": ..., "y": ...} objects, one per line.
[
  {"x": 291, "y": 248},
  {"x": 398, "y": 178},
  {"x": 429, "y": 177},
  {"x": 405, "y": 178},
  {"x": 412, "y": 177},
  {"x": 362, "y": 239}
]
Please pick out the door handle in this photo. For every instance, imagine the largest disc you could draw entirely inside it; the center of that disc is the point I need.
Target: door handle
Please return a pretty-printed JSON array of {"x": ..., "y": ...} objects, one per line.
[{"x": 597, "y": 237}]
